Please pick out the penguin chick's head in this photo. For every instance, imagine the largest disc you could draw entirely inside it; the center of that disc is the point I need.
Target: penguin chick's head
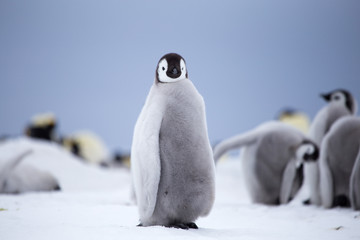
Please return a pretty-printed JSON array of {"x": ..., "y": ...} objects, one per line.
[
  {"x": 171, "y": 68},
  {"x": 307, "y": 151},
  {"x": 340, "y": 96}
]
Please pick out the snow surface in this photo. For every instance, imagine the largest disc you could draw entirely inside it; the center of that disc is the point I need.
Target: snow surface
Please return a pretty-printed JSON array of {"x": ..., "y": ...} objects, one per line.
[{"x": 95, "y": 204}]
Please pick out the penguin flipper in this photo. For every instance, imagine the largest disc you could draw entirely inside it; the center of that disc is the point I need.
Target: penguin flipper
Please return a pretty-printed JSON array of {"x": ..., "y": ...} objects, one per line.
[
  {"x": 145, "y": 156},
  {"x": 287, "y": 182},
  {"x": 10, "y": 165},
  {"x": 326, "y": 181},
  {"x": 234, "y": 142},
  {"x": 355, "y": 184}
]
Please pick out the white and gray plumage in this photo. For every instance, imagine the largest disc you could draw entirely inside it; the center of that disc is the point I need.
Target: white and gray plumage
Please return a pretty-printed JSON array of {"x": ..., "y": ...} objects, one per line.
[
  {"x": 272, "y": 155},
  {"x": 340, "y": 104},
  {"x": 355, "y": 184},
  {"x": 339, "y": 151},
  {"x": 171, "y": 157},
  {"x": 16, "y": 177}
]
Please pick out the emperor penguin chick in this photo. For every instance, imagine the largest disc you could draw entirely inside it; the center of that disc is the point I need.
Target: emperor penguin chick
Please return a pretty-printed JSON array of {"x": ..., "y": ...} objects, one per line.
[
  {"x": 340, "y": 104},
  {"x": 272, "y": 156},
  {"x": 355, "y": 184},
  {"x": 172, "y": 163},
  {"x": 339, "y": 174},
  {"x": 16, "y": 177}
]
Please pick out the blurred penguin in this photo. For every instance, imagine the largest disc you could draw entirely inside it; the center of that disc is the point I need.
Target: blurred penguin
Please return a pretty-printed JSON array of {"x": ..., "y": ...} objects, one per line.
[
  {"x": 16, "y": 177},
  {"x": 88, "y": 146},
  {"x": 355, "y": 184},
  {"x": 273, "y": 156},
  {"x": 42, "y": 126},
  {"x": 119, "y": 160},
  {"x": 339, "y": 151},
  {"x": 340, "y": 104},
  {"x": 295, "y": 118}
]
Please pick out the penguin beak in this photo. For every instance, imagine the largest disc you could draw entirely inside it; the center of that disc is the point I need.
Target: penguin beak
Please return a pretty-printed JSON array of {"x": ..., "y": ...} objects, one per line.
[
  {"x": 173, "y": 72},
  {"x": 326, "y": 97}
]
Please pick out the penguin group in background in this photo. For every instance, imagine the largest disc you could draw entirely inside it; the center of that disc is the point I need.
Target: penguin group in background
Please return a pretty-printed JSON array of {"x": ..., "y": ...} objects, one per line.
[
  {"x": 295, "y": 118},
  {"x": 84, "y": 144},
  {"x": 172, "y": 161},
  {"x": 273, "y": 155},
  {"x": 42, "y": 126},
  {"x": 339, "y": 172},
  {"x": 340, "y": 104},
  {"x": 16, "y": 177}
]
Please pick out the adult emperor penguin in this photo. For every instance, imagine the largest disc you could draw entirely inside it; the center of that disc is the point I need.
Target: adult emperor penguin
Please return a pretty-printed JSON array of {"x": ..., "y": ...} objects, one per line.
[
  {"x": 87, "y": 145},
  {"x": 295, "y": 118},
  {"x": 340, "y": 104},
  {"x": 338, "y": 171},
  {"x": 171, "y": 157},
  {"x": 42, "y": 126},
  {"x": 272, "y": 156}
]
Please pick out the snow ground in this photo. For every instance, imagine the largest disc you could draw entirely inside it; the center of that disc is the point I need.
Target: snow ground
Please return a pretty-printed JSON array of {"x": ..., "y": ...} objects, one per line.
[{"x": 95, "y": 204}]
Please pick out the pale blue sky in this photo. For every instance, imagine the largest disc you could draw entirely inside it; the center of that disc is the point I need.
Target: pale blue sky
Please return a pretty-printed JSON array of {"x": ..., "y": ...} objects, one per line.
[{"x": 92, "y": 63}]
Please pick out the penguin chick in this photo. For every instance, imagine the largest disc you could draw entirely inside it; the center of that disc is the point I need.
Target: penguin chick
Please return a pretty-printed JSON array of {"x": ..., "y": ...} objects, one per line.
[
  {"x": 339, "y": 151},
  {"x": 19, "y": 178},
  {"x": 272, "y": 156},
  {"x": 355, "y": 184},
  {"x": 171, "y": 158},
  {"x": 340, "y": 103}
]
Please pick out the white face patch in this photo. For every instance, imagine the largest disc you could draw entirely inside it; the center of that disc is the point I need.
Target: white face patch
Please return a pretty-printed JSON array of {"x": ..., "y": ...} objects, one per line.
[
  {"x": 163, "y": 67},
  {"x": 338, "y": 97}
]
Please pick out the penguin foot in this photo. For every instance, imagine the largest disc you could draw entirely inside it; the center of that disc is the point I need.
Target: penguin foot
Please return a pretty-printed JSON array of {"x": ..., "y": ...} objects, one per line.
[
  {"x": 140, "y": 225},
  {"x": 341, "y": 201},
  {"x": 192, "y": 225},
  {"x": 185, "y": 226},
  {"x": 57, "y": 188},
  {"x": 306, "y": 202},
  {"x": 179, "y": 225}
]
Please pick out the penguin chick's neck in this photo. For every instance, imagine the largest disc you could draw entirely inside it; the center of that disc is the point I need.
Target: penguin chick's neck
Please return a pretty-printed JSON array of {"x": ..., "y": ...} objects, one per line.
[{"x": 157, "y": 82}]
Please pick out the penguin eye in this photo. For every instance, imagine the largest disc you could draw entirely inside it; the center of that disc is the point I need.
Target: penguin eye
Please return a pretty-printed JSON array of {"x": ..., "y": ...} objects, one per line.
[{"x": 163, "y": 68}]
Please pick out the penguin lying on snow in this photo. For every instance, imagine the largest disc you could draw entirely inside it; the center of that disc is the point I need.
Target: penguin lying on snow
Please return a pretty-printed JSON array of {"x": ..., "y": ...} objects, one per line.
[
  {"x": 340, "y": 104},
  {"x": 42, "y": 126},
  {"x": 172, "y": 162},
  {"x": 19, "y": 178},
  {"x": 339, "y": 151},
  {"x": 273, "y": 156}
]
